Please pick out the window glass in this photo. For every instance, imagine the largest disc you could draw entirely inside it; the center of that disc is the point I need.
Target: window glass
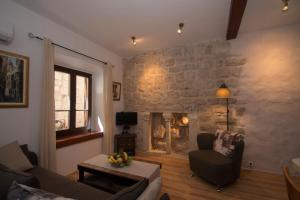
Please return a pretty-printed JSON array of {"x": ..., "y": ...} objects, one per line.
[
  {"x": 82, "y": 101},
  {"x": 62, "y": 120},
  {"x": 62, "y": 100}
]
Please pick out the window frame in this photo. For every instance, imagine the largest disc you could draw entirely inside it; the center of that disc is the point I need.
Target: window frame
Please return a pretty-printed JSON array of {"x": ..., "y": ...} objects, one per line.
[{"x": 72, "y": 117}]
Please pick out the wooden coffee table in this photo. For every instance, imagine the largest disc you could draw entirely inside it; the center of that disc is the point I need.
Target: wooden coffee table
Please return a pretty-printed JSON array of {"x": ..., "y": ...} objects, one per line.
[{"x": 104, "y": 176}]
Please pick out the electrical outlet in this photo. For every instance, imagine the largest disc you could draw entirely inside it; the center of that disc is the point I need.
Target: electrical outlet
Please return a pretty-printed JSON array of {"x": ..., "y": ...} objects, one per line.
[{"x": 250, "y": 164}]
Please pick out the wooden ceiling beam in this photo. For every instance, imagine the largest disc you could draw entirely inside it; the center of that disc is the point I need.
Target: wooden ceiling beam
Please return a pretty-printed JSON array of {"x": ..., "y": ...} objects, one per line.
[{"x": 237, "y": 9}]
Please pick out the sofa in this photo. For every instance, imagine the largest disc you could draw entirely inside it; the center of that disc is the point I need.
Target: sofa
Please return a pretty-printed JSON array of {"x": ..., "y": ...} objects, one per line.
[
  {"x": 213, "y": 166},
  {"x": 51, "y": 182}
]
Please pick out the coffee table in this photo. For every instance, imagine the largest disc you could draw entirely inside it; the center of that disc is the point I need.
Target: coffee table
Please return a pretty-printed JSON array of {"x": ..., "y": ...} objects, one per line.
[
  {"x": 296, "y": 164},
  {"x": 104, "y": 176}
]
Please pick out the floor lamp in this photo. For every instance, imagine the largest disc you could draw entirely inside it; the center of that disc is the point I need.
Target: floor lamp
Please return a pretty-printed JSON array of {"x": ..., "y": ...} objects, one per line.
[{"x": 223, "y": 92}]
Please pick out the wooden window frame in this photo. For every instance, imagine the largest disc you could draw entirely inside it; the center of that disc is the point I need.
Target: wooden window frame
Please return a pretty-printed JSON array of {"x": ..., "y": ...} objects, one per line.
[{"x": 72, "y": 117}]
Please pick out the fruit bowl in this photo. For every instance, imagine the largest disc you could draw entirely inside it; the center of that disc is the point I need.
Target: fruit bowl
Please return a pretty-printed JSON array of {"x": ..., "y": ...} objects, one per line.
[{"x": 119, "y": 160}]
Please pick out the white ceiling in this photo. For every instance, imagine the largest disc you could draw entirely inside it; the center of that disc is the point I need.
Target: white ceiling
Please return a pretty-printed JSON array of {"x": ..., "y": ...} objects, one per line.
[
  {"x": 264, "y": 14},
  {"x": 111, "y": 23}
]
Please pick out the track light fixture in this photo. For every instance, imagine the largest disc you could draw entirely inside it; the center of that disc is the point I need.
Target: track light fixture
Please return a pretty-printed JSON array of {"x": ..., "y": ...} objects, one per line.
[
  {"x": 179, "y": 30},
  {"x": 285, "y": 5},
  {"x": 133, "y": 40}
]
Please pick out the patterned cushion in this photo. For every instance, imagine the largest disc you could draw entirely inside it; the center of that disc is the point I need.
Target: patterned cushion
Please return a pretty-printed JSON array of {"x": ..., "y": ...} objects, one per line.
[
  {"x": 19, "y": 191},
  {"x": 225, "y": 142},
  {"x": 8, "y": 176}
]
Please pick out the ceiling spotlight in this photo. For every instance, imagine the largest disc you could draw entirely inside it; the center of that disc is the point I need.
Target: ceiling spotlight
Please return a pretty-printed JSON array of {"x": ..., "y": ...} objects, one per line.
[
  {"x": 285, "y": 5},
  {"x": 179, "y": 30},
  {"x": 133, "y": 40}
]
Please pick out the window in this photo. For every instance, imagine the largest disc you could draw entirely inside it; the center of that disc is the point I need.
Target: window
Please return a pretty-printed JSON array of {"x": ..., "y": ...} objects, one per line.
[{"x": 72, "y": 92}]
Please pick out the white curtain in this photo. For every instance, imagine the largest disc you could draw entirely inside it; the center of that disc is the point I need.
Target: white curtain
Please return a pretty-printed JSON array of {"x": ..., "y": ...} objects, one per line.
[
  {"x": 107, "y": 145},
  {"x": 47, "y": 149}
]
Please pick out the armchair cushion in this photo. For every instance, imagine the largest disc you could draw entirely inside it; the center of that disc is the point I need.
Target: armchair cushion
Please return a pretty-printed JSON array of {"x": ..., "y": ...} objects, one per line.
[
  {"x": 212, "y": 166},
  {"x": 210, "y": 158}
]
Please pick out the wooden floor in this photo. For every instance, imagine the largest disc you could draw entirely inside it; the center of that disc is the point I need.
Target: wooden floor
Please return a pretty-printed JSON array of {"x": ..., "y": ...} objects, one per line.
[{"x": 252, "y": 185}]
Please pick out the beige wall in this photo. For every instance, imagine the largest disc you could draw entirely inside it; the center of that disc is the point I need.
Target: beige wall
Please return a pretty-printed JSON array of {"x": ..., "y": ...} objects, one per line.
[
  {"x": 22, "y": 124},
  {"x": 270, "y": 88},
  {"x": 69, "y": 157}
]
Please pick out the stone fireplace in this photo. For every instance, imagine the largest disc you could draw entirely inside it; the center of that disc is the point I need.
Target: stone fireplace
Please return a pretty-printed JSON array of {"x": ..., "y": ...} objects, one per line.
[{"x": 166, "y": 132}]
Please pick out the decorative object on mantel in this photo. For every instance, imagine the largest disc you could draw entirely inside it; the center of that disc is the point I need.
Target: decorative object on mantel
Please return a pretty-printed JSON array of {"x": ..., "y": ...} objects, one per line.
[
  {"x": 133, "y": 40},
  {"x": 180, "y": 27},
  {"x": 116, "y": 91},
  {"x": 119, "y": 160},
  {"x": 14, "y": 72},
  {"x": 159, "y": 132},
  {"x": 285, "y": 6},
  {"x": 223, "y": 92},
  {"x": 185, "y": 120}
]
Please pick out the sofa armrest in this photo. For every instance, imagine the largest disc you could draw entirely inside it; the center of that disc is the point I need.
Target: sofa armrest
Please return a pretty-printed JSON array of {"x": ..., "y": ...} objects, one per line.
[
  {"x": 237, "y": 157},
  {"x": 32, "y": 157},
  {"x": 165, "y": 196},
  {"x": 206, "y": 141}
]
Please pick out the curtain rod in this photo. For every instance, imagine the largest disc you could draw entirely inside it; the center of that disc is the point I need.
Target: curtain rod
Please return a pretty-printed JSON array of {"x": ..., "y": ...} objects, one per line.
[{"x": 31, "y": 35}]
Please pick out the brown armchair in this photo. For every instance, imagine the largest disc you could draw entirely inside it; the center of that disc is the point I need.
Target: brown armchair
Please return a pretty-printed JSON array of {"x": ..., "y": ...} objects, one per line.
[{"x": 213, "y": 166}]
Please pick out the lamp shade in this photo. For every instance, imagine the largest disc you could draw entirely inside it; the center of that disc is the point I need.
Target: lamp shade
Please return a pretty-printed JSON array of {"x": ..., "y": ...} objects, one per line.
[{"x": 223, "y": 91}]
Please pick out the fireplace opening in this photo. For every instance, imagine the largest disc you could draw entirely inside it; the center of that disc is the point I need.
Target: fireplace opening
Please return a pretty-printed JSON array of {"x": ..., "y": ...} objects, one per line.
[
  {"x": 179, "y": 133},
  {"x": 169, "y": 133},
  {"x": 158, "y": 132}
]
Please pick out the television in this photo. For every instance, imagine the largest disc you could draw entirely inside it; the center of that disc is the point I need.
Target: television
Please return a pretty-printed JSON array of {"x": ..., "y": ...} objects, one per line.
[{"x": 126, "y": 118}]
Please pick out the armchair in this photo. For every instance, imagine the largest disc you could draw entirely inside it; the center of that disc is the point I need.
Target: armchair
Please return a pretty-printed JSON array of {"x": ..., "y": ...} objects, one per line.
[{"x": 213, "y": 166}]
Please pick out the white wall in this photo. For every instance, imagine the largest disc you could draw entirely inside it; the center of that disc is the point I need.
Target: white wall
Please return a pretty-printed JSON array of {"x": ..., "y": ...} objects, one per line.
[
  {"x": 83, "y": 151},
  {"x": 270, "y": 92},
  {"x": 22, "y": 124}
]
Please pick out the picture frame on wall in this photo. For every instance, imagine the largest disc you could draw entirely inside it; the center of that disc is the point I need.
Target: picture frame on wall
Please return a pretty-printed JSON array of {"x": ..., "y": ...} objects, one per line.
[
  {"x": 116, "y": 91},
  {"x": 14, "y": 79}
]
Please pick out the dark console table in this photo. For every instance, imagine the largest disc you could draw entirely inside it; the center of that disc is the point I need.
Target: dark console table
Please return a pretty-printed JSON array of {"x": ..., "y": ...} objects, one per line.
[{"x": 125, "y": 142}]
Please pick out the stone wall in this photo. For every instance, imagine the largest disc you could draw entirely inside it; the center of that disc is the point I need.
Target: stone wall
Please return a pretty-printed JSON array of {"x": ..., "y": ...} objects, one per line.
[
  {"x": 262, "y": 70},
  {"x": 184, "y": 80}
]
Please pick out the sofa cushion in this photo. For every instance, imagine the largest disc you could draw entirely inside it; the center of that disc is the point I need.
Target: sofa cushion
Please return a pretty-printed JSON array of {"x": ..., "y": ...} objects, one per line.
[
  {"x": 32, "y": 157},
  {"x": 132, "y": 192},
  {"x": 152, "y": 191},
  {"x": 8, "y": 176},
  {"x": 61, "y": 185},
  {"x": 13, "y": 157},
  {"x": 19, "y": 191}
]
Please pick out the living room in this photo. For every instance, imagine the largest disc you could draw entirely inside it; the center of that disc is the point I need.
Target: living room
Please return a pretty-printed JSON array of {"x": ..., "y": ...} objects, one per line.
[{"x": 195, "y": 99}]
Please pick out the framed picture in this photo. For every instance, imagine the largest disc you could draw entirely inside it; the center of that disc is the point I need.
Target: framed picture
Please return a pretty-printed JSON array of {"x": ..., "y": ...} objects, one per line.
[
  {"x": 116, "y": 91},
  {"x": 14, "y": 71}
]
